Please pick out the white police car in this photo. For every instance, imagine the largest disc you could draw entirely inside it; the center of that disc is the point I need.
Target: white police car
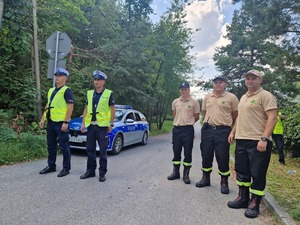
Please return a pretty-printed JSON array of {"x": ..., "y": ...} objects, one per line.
[{"x": 130, "y": 127}]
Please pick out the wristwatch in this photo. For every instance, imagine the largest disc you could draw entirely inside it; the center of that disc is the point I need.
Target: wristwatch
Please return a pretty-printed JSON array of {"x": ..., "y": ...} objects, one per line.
[
  {"x": 264, "y": 138},
  {"x": 111, "y": 124},
  {"x": 66, "y": 122}
]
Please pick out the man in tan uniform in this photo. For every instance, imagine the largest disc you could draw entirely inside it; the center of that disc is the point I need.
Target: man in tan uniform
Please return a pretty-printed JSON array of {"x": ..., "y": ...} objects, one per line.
[
  {"x": 219, "y": 109},
  {"x": 252, "y": 131},
  {"x": 186, "y": 112}
]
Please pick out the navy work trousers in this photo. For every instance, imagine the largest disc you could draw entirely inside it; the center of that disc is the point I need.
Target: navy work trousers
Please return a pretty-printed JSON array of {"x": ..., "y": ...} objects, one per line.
[
  {"x": 99, "y": 134},
  {"x": 54, "y": 136},
  {"x": 183, "y": 137},
  {"x": 251, "y": 163},
  {"x": 278, "y": 138},
  {"x": 214, "y": 140}
]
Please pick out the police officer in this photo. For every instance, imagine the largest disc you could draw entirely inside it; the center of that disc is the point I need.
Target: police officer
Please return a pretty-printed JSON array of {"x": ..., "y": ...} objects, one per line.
[
  {"x": 252, "y": 132},
  {"x": 58, "y": 112},
  {"x": 278, "y": 137},
  {"x": 219, "y": 110},
  {"x": 98, "y": 117},
  {"x": 186, "y": 112}
]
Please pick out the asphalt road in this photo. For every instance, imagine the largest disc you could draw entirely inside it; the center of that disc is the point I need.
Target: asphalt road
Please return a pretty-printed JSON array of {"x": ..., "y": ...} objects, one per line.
[{"x": 136, "y": 192}]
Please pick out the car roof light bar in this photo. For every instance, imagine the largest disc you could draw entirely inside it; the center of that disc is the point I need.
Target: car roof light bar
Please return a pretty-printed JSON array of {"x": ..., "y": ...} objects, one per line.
[{"x": 123, "y": 106}]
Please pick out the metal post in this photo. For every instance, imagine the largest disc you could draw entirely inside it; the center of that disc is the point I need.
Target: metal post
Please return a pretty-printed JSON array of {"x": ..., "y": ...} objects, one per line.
[{"x": 56, "y": 55}]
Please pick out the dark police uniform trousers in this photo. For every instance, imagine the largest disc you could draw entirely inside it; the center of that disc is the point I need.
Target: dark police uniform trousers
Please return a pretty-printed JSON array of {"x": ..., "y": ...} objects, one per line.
[
  {"x": 99, "y": 134},
  {"x": 183, "y": 136},
  {"x": 215, "y": 139},
  {"x": 54, "y": 135}
]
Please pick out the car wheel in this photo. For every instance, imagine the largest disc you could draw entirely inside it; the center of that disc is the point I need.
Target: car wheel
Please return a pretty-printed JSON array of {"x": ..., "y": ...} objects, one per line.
[
  {"x": 117, "y": 145},
  {"x": 145, "y": 138}
]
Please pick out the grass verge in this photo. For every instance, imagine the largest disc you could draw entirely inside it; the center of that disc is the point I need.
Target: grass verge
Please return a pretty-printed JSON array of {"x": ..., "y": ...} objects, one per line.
[
  {"x": 167, "y": 127},
  {"x": 26, "y": 148},
  {"x": 283, "y": 183}
]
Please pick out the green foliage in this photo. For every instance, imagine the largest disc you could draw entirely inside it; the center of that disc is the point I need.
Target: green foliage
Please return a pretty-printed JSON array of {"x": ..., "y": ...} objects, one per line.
[
  {"x": 144, "y": 61},
  {"x": 263, "y": 38},
  {"x": 166, "y": 128},
  {"x": 25, "y": 148},
  {"x": 7, "y": 134},
  {"x": 292, "y": 130}
]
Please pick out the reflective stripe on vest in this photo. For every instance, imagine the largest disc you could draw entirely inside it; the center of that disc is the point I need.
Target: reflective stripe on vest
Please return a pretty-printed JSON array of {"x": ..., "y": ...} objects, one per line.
[
  {"x": 58, "y": 105},
  {"x": 278, "y": 127},
  {"x": 103, "y": 110}
]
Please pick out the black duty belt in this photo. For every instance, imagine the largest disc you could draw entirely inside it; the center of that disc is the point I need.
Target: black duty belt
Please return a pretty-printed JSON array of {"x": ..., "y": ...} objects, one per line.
[{"x": 214, "y": 127}]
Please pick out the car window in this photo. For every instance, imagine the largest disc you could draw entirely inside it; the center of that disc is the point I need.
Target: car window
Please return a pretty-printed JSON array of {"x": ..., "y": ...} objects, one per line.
[
  {"x": 119, "y": 115},
  {"x": 143, "y": 118},
  {"x": 137, "y": 117},
  {"x": 130, "y": 116}
]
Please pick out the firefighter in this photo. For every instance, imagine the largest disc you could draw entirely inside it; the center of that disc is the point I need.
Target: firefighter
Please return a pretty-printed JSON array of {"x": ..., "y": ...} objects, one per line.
[
  {"x": 219, "y": 110},
  {"x": 186, "y": 112},
  {"x": 252, "y": 132}
]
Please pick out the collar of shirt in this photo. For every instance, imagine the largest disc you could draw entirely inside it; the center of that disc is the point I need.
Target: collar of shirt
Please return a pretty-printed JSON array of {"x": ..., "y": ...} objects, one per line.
[
  {"x": 250, "y": 94},
  {"x": 184, "y": 100},
  {"x": 221, "y": 95},
  {"x": 95, "y": 91}
]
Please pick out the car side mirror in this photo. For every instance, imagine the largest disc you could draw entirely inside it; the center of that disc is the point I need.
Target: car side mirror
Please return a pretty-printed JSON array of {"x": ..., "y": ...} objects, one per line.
[{"x": 129, "y": 121}]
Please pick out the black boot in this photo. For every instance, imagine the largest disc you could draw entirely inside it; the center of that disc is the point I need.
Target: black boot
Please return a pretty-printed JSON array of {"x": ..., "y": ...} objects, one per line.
[
  {"x": 242, "y": 199},
  {"x": 224, "y": 185},
  {"x": 253, "y": 207},
  {"x": 175, "y": 175},
  {"x": 186, "y": 172},
  {"x": 102, "y": 177},
  {"x": 205, "y": 181}
]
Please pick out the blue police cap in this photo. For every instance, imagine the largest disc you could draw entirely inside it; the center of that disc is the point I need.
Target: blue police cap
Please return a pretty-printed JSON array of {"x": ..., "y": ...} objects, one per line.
[
  {"x": 61, "y": 71},
  {"x": 99, "y": 75}
]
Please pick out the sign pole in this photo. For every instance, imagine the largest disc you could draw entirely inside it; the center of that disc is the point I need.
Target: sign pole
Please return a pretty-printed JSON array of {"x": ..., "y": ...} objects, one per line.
[{"x": 56, "y": 53}]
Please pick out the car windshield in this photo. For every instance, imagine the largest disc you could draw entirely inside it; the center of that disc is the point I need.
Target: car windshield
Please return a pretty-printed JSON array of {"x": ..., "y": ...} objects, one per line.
[{"x": 119, "y": 115}]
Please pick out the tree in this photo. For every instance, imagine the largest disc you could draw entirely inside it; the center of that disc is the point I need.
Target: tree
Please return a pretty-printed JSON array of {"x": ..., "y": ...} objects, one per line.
[
  {"x": 171, "y": 61},
  {"x": 263, "y": 35}
]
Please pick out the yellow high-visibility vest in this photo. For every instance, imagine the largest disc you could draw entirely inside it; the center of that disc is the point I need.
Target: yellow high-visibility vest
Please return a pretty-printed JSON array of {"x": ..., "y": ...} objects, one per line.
[
  {"x": 278, "y": 127},
  {"x": 58, "y": 108},
  {"x": 103, "y": 110}
]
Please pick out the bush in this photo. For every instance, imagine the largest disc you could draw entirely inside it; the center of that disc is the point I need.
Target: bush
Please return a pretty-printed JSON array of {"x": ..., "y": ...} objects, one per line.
[
  {"x": 24, "y": 148},
  {"x": 7, "y": 134},
  {"x": 20, "y": 141},
  {"x": 292, "y": 130}
]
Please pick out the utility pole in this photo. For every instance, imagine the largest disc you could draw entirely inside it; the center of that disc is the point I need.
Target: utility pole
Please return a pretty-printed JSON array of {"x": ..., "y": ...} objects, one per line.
[
  {"x": 1, "y": 11},
  {"x": 36, "y": 59}
]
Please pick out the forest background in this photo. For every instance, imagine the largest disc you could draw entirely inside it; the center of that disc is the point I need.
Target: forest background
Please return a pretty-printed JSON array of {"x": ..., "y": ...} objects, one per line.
[{"x": 145, "y": 61}]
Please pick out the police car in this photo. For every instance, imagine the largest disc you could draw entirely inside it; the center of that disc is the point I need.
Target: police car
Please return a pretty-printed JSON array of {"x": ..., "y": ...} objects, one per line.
[{"x": 130, "y": 127}]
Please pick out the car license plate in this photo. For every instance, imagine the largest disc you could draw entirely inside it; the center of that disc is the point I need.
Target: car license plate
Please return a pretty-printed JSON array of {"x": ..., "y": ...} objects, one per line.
[{"x": 76, "y": 139}]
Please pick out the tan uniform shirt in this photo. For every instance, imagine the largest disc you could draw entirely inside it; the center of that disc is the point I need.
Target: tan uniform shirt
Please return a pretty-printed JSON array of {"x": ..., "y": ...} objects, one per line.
[
  {"x": 185, "y": 111},
  {"x": 219, "y": 109},
  {"x": 252, "y": 116}
]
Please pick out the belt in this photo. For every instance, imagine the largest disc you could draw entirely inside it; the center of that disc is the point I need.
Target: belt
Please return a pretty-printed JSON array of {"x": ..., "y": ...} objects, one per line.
[
  {"x": 214, "y": 127},
  {"x": 94, "y": 123},
  {"x": 184, "y": 126}
]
